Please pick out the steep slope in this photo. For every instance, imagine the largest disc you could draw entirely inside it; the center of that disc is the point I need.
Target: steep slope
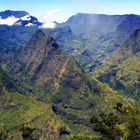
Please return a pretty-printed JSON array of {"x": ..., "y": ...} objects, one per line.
[
  {"x": 75, "y": 96},
  {"x": 102, "y": 23},
  {"x": 23, "y": 117},
  {"x": 43, "y": 59},
  {"x": 101, "y": 35},
  {"x": 121, "y": 71},
  {"x": 14, "y": 37},
  {"x": 93, "y": 23},
  {"x": 65, "y": 38},
  {"x": 61, "y": 92},
  {"x": 13, "y": 85}
]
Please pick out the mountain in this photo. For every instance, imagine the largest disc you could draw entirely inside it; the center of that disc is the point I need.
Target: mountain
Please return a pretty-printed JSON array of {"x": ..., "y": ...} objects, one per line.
[
  {"x": 121, "y": 71},
  {"x": 46, "y": 94},
  {"x": 94, "y": 23},
  {"x": 15, "y": 37},
  {"x": 80, "y": 102},
  {"x": 102, "y": 23},
  {"x": 18, "y": 14},
  {"x": 101, "y": 35},
  {"x": 21, "y": 18},
  {"x": 10, "y": 84},
  {"x": 65, "y": 38}
]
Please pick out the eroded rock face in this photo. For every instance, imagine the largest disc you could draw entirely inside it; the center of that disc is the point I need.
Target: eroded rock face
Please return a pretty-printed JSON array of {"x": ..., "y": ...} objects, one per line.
[
  {"x": 121, "y": 71},
  {"x": 43, "y": 60},
  {"x": 58, "y": 75}
]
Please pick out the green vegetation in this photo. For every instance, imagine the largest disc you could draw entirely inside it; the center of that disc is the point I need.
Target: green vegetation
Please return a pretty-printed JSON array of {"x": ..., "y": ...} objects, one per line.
[
  {"x": 79, "y": 137},
  {"x": 122, "y": 123},
  {"x": 122, "y": 70},
  {"x": 20, "y": 114},
  {"x": 52, "y": 97},
  {"x": 23, "y": 117}
]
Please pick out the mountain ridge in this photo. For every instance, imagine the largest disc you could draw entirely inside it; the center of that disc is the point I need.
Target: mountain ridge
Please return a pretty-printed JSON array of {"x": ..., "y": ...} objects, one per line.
[
  {"x": 101, "y": 40},
  {"x": 123, "y": 66},
  {"x": 66, "y": 101},
  {"x": 20, "y": 18},
  {"x": 7, "y": 13}
]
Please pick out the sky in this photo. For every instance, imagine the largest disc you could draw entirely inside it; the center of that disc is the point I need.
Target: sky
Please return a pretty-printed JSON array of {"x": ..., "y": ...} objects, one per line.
[{"x": 61, "y": 10}]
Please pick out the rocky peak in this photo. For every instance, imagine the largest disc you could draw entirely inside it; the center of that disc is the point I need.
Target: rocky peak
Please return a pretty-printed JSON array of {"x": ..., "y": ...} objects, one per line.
[
  {"x": 18, "y": 18},
  {"x": 39, "y": 39},
  {"x": 17, "y": 14},
  {"x": 39, "y": 34},
  {"x": 40, "y": 54}
]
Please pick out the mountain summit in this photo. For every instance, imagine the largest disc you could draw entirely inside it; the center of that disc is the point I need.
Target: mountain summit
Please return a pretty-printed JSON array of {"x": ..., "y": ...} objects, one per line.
[
  {"x": 18, "y": 14},
  {"x": 43, "y": 58},
  {"x": 22, "y": 18}
]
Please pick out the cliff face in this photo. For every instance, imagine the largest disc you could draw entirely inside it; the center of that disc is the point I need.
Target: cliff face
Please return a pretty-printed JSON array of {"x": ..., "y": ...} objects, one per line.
[
  {"x": 47, "y": 66},
  {"x": 43, "y": 60},
  {"x": 121, "y": 71}
]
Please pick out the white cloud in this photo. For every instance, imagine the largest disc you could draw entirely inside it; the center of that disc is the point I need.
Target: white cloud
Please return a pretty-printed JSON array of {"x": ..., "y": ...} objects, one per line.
[
  {"x": 8, "y": 21},
  {"x": 29, "y": 24},
  {"x": 27, "y": 17},
  {"x": 48, "y": 25},
  {"x": 11, "y": 20},
  {"x": 48, "y": 16}
]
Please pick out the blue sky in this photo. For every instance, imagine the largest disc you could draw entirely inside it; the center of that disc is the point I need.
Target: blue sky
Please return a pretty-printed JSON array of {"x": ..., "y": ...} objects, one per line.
[{"x": 61, "y": 10}]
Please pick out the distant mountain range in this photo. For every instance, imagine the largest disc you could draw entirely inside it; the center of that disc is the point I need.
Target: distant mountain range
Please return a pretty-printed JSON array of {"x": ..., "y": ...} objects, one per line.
[
  {"x": 20, "y": 18},
  {"x": 82, "y": 23},
  {"x": 99, "y": 35},
  {"x": 89, "y": 38}
]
